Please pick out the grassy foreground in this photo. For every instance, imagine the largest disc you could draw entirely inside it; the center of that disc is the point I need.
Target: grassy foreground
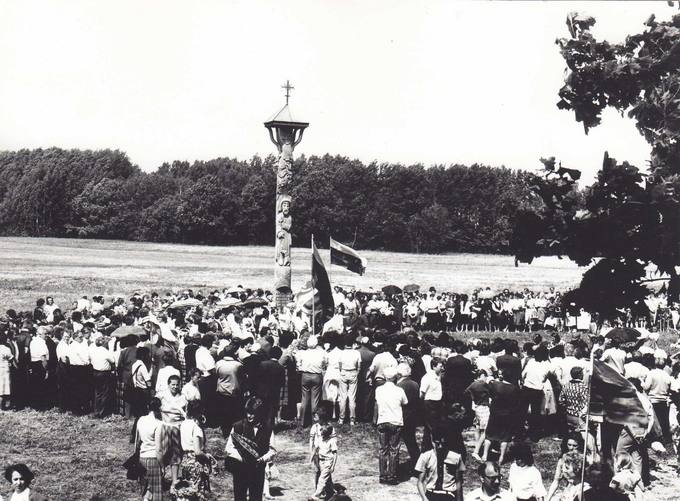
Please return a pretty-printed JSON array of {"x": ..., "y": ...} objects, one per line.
[{"x": 79, "y": 458}]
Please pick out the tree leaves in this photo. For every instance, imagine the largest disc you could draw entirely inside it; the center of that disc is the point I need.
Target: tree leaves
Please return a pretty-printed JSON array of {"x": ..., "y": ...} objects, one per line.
[{"x": 631, "y": 220}]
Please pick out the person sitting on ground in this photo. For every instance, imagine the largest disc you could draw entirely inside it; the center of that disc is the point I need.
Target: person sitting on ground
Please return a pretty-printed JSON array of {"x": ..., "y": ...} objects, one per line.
[
  {"x": 490, "y": 474},
  {"x": 20, "y": 476},
  {"x": 524, "y": 478},
  {"x": 570, "y": 471},
  {"x": 599, "y": 475},
  {"x": 440, "y": 472}
]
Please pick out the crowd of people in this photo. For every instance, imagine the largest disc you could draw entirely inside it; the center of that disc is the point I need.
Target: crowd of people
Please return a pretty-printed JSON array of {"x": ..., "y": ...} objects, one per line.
[{"x": 178, "y": 363}]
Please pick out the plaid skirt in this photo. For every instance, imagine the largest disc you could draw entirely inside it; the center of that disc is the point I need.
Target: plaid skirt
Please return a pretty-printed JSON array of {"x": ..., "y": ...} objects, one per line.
[
  {"x": 152, "y": 478},
  {"x": 120, "y": 398},
  {"x": 171, "y": 445},
  {"x": 284, "y": 391}
]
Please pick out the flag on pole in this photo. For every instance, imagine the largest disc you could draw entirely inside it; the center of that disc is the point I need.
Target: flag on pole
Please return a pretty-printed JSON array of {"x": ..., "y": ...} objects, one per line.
[
  {"x": 345, "y": 256},
  {"x": 615, "y": 397},
  {"x": 322, "y": 284},
  {"x": 307, "y": 299}
]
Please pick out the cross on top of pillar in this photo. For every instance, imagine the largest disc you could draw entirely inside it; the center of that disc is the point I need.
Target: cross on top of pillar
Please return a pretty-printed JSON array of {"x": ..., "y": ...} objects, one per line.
[{"x": 288, "y": 88}]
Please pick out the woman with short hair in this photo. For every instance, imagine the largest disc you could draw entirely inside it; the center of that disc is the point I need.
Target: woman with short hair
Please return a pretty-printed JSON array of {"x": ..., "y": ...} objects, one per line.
[
  {"x": 140, "y": 391},
  {"x": 148, "y": 442},
  {"x": 20, "y": 476},
  {"x": 196, "y": 465}
]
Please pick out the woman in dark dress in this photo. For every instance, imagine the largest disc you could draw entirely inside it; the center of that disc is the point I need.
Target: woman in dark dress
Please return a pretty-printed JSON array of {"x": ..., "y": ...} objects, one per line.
[{"x": 503, "y": 423}]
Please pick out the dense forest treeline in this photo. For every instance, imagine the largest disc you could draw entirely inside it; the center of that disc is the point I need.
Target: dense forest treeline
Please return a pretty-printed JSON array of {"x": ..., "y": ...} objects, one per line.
[{"x": 101, "y": 194}]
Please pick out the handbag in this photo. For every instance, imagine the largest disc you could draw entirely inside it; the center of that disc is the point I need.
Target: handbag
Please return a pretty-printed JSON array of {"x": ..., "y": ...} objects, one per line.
[{"x": 134, "y": 468}]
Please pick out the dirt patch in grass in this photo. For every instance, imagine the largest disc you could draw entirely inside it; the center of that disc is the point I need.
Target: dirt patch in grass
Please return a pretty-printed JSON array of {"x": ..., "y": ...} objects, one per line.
[{"x": 79, "y": 458}]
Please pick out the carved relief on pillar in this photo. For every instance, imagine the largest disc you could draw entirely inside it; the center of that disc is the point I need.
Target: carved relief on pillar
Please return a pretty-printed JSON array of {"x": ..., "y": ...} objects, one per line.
[
  {"x": 284, "y": 173},
  {"x": 283, "y": 242}
]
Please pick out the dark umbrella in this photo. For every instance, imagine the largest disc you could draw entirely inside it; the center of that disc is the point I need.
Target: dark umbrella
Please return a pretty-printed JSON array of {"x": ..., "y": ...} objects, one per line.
[
  {"x": 623, "y": 334},
  {"x": 411, "y": 288},
  {"x": 391, "y": 289},
  {"x": 256, "y": 301}
]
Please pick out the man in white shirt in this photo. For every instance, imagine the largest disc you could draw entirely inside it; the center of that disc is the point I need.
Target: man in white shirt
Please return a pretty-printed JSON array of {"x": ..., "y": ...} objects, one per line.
[
  {"x": 79, "y": 374},
  {"x": 207, "y": 384},
  {"x": 38, "y": 369},
  {"x": 102, "y": 377},
  {"x": 389, "y": 399}
]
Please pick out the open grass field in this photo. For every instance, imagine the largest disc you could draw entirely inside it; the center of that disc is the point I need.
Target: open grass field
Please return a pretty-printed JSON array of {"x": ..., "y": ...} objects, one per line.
[
  {"x": 68, "y": 268},
  {"x": 79, "y": 458}
]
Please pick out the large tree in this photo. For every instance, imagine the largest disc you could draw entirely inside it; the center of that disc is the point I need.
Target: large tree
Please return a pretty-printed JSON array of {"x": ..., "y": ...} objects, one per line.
[{"x": 631, "y": 219}]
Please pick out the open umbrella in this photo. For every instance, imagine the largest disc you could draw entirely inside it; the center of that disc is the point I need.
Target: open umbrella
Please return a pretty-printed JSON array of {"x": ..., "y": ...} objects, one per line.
[
  {"x": 186, "y": 303},
  {"x": 623, "y": 334},
  {"x": 255, "y": 301},
  {"x": 227, "y": 302},
  {"x": 411, "y": 288},
  {"x": 128, "y": 330},
  {"x": 391, "y": 289}
]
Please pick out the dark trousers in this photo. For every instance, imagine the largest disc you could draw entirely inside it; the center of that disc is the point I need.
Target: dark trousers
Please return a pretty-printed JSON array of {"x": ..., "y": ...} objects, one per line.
[
  {"x": 103, "y": 393},
  {"x": 81, "y": 389},
  {"x": 229, "y": 409},
  {"x": 532, "y": 403},
  {"x": 365, "y": 400},
  {"x": 408, "y": 433},
  {"x": 207, "y": 386},
  {"x": 38, "y": 386},
  {"x": 20, "y": 385},
  {"x": 139, "y": 405},
  {"x": 433, "y": 409},
  {"x": 248, "y": 481},
  {"x": 388, "y": 436},
  {"x": 440, "y": 496},
  {"x": 62, "y": 387},
  {"x": 311, "y": 392},
  {"x": 661, "y": 411}
]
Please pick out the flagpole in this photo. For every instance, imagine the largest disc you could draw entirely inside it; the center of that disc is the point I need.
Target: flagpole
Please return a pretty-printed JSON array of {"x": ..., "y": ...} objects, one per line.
[
  {"x": 330, "y": 262},
  {"x": 587, "y": 432},
  {"x": 313, "y": 294}
]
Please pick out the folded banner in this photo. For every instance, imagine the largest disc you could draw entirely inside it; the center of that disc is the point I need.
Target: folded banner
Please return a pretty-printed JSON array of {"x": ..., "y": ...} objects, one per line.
[
  {"x": 322, "y": 284},
  {"x": 615, "y": 397},
  {"x": 347, "y": 257}
]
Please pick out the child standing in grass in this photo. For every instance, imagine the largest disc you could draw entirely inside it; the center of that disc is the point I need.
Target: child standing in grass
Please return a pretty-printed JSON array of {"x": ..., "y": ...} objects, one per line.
[{"x": 324, "y": 457}]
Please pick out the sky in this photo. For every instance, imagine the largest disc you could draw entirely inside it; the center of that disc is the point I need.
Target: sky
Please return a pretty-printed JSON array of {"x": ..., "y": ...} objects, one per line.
[{"x": 436, "y": 82}]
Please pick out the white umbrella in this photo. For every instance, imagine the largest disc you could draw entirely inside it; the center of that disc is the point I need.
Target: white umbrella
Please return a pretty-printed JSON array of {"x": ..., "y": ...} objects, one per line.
[
  {"x": 186, "y": 303},
  {"x": 227, "y": 302}
]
